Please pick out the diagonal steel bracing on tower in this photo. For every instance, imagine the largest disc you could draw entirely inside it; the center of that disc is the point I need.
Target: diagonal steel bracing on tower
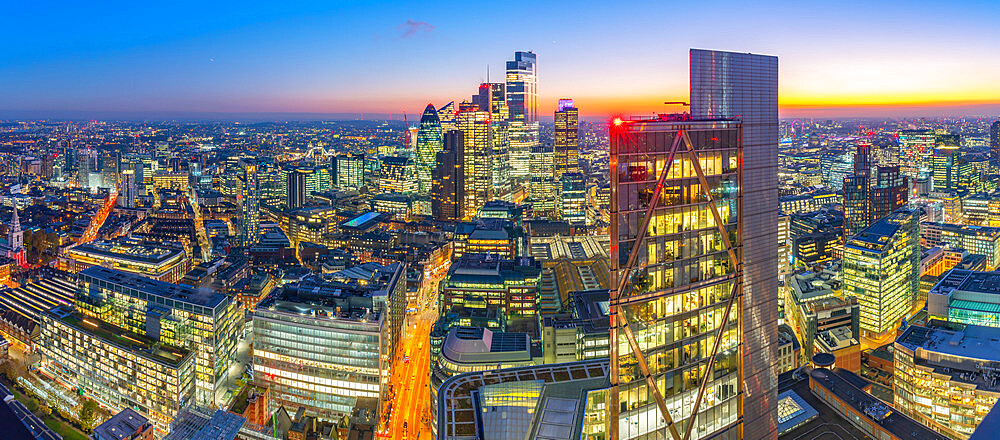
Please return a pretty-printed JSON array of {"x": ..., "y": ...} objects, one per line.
[
  {"x": 618, "y": 319},
  {"x": 732, "y": 295}
]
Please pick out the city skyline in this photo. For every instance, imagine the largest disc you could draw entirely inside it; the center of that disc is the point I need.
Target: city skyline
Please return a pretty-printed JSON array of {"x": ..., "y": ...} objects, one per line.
[{"x": 278, "y": 62}]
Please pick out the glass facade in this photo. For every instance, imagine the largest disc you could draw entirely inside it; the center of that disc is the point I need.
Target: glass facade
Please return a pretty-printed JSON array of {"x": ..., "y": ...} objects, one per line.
[
  {"x": 477, "y": 162},
  {"x": 167, "y": 313},
  {"x": 682, "y": 276},
  {"x": 882, "y": 269},
  {"x": 430, "y": 139},
  {"x": 745, "y": 86},
  {"x": 522, "y": 100},
  {"x": 118, "y": 370}
]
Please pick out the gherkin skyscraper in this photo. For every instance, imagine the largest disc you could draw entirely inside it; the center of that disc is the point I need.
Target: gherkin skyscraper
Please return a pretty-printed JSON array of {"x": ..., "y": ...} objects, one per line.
[{"x": 429, "y": 141}]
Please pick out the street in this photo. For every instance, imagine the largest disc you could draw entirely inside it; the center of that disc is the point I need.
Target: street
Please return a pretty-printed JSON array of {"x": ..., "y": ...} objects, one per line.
[{"x": 410, "y": 416}]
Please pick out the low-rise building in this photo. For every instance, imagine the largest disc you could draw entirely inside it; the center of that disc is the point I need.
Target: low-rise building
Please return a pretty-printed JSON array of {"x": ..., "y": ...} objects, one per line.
[
  {"x": 159, "y": 261},
  {"x": 118, "y": 368},
  {"x": 966, "y": 297},
  {"x": 324, "y": 346},
  {"x": 978, "y": 240},
  {"x": 947, "y": 375}
]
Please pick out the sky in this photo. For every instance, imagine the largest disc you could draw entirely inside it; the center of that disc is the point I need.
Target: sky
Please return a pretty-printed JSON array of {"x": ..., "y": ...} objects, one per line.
[{"x": 373, "y": 59}]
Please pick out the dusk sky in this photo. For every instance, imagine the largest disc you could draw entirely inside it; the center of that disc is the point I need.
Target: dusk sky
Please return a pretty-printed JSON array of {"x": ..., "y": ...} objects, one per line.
[{"x": 847, "y": 58}]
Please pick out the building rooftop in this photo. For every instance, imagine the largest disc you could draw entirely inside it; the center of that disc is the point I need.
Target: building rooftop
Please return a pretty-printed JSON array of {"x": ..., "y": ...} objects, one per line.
[
  {"x": 554, "y": 393},
  {"x": 967, "y": 353},
  {"x": 879, "y": 234},
  {"x": 876, "y": 410},
  {"x": 135, "y": 251},
  {"x": 481, "y": 345},
  {"x": 177, "y": 292},
  {"x": 121, "y": 426}
]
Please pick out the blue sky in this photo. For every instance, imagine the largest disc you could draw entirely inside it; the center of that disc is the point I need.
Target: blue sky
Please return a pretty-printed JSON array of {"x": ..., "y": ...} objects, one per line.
[{"x": 837, "y": 59}]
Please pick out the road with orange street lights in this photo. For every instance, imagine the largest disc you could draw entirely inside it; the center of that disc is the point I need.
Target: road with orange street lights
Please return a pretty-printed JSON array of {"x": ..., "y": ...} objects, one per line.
[
  {"x": 409, "y": 417},
  {"x": 98, "y": 220}
]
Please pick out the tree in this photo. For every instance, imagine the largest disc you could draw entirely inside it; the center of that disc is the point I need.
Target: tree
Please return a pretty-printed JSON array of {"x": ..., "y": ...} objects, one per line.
[
  {"x": 45, "y": 410},
  {"x": 88, "y": 411}
]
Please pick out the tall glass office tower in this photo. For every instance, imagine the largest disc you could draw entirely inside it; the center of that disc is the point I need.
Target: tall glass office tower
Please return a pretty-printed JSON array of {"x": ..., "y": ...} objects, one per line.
[
  {"x": 694, "y": 260},
  {"x": 522, "y": 99},
  {"x": 745, "y": 86},
  {"x": 478, "y": 163},
  {"x": 566, "y": 137},
  {"x": 491, "y": 99},
  {"x": 248, "y": 199},
  {"x": 429, "y": 141}
]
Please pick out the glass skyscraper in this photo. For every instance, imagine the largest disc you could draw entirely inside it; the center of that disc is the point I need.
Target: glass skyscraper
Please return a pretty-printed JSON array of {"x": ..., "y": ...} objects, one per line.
[
  {"x": 475, "y": 126},
  {"x": 566, "y": 137},
  {"x": 882, "y": 270},
  {"x": 429, "y": 140},
  {"x": 248, "y": 199},
  {"x": 522, "y": 100},
  {"x": 694, "y": 259},
  {"x": 745, "y": 86}
]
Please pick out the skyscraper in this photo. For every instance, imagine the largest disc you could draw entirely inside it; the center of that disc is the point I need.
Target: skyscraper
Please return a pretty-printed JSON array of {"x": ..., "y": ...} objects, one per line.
[
  {"x": 491, "y": 99},
  {"x": 295, "y": 189},
  {"x": 110, "y": 169},
  {"x": 872, "y": 192},
  {"x": 348, "y": 171},
  {"x": 542, "y": 190},
  {"x": 566, "y": 136},
  {"x": 448, "y": 189},
  {"x": 573, "y": 198},
  {"x": 709, "y": 178},
  {"x": 522, "y": 99},
  {"x": 952, "y": 172},
  {"x": 446, "y": 114},
  {"x": 126, "y": 189},
  {"x": 995, "y": 145},
  {"x": 248, "y": 199},
  {"x": 477, "y": 163},
  {"x": 882, "y": 270},
  {"x": 429, "y": 140}
]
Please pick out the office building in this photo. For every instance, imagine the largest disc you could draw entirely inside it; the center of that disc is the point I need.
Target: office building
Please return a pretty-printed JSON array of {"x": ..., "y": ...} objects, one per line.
[
  {"x": 977, "y": 240},
  {"x": 327, "y": 346},
  {"x": 566, "y": 139},
  {"x": 127, "y": 189},
  {"x": 448, "y": 179},
  {"x": 491, "y": 99},
  {"x": 467, "y": 349},
  {"x": 126, "y": 425},
  {"x": 882, "y": 270},
  {"x": 396, "y": 175},
  {"x": 976, "y": 209},
  {"x": 835, "y": 166},
  {"x": 966, "y": 297},
  {"x": 477, "y": 161},
  {"x": 248, "y": 199},
  {"x": 201, "y": 321},
  {"x": 871, "y": 193},
  {"x": 156, "y": 260},
  {"x": 951, "y": 170},
  {"x": 543, "y": 189},
  {"x": 562, "y": 400},
  {"x": 488, "y": 281},
  {"x": 946, "y": 376},
  {"x": 808, "y": 202},
  {"x": 348, "y": 171},
  {"x": 522, "y": 102},
  {"x": 430, "y": 141},
  {"x": 995, "y": 145},
  {"x": 118, "y": 368},
  {"x": 573, "y": 199},
  {"x": 296, "y": 189},
  {"x": 109, "y": 169},
  {"x": 651, "y": 210}
]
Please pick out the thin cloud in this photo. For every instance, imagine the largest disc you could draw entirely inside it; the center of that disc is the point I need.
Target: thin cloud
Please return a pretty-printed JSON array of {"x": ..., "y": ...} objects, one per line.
[{"x": 412, "y": 28}]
